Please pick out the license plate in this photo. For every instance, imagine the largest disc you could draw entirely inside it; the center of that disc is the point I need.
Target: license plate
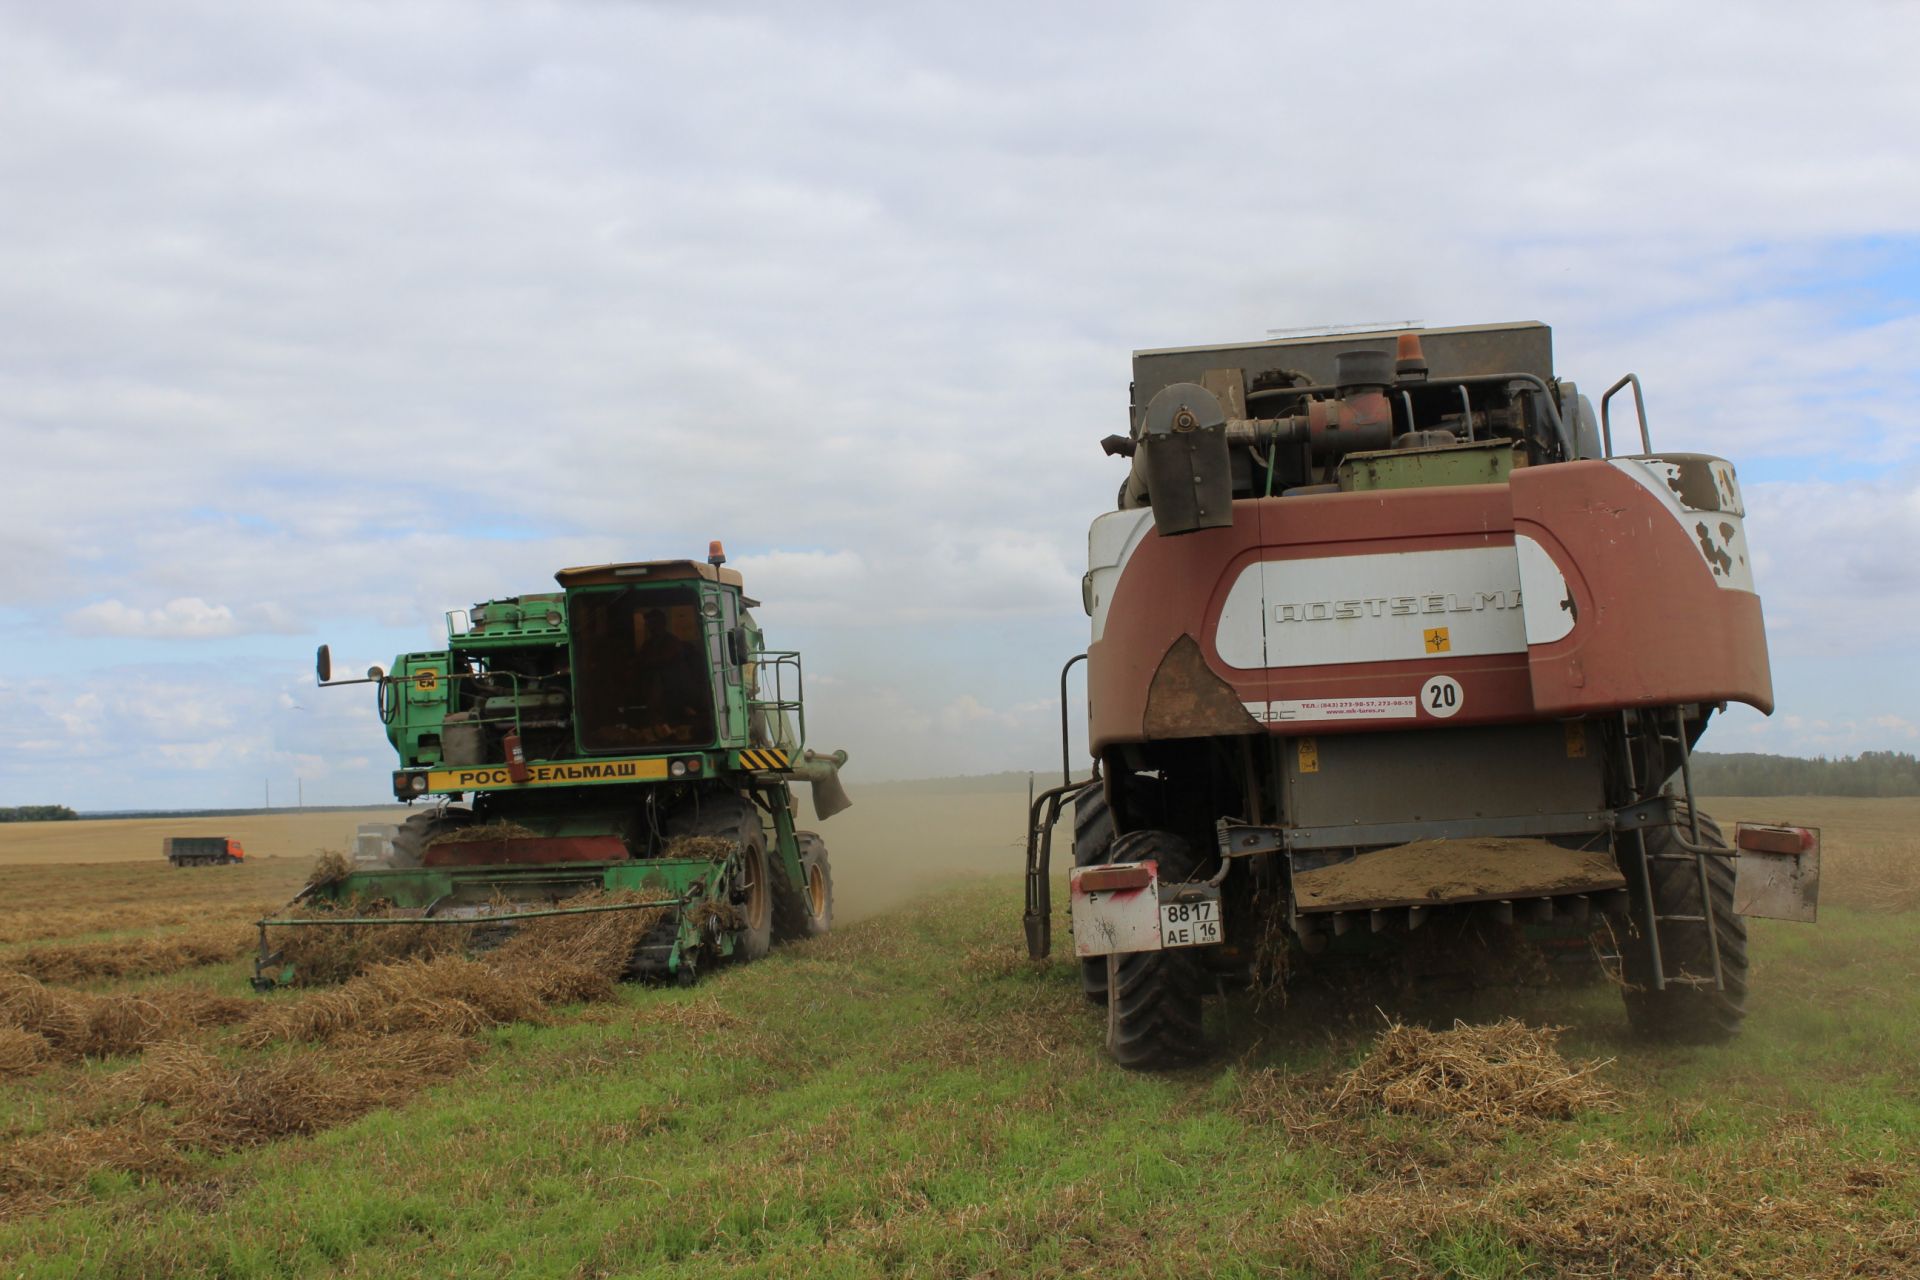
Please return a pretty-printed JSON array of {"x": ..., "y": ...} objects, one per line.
[{"x": 1190, "y": 924}]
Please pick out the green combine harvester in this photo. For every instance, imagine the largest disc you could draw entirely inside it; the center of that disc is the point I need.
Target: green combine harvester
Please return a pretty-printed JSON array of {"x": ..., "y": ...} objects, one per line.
[{"x": 625, "y": 743}]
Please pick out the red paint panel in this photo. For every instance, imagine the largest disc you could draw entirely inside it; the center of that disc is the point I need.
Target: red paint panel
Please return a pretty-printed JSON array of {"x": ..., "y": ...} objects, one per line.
[
  {"x": 1654, "y": 628},
  {"x": 1764, "y": 839},
  {"x": 1176, "y": 586},
  {"x": 493, "y": 853},
  {"x": 1110, "y": 879}
]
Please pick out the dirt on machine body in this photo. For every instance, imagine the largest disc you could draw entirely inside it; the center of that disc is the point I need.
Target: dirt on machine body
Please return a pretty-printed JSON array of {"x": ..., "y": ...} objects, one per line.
[
  {"x": 627, "y": 743},
  {"x": 1383, "y": 627}
]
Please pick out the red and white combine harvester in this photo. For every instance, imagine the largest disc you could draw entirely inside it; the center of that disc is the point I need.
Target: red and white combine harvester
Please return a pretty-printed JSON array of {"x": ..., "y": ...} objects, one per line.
[{"x": 1386, "y": 637}]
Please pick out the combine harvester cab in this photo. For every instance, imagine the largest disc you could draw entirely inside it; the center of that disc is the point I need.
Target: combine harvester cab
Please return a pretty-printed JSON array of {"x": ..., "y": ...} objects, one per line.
[
  {"x": 1384, "y": 628},
  {"x": 626, "y": 743}
]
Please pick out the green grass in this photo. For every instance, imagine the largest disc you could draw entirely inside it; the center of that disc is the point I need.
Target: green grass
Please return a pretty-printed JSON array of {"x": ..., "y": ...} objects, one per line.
[{"x": 910, "y": 1097}]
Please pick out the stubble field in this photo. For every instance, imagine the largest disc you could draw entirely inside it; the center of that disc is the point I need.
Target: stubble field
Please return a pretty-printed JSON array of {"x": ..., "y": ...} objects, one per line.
[{"x": 910, "y": 1096}]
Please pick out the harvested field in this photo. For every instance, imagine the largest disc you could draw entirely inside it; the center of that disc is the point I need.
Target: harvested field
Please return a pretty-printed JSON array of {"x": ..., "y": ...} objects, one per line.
[
  {"x": 910, "y": 1096},
  {"x": 289, "y": 834},
  {"x": 133, "y": 958}
]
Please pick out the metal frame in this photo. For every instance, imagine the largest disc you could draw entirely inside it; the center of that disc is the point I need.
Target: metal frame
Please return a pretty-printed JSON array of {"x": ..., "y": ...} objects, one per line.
[
  {"x": 777, "y": 661},
  {"x": 1639, "y": 407},
  {"x": 1239, "y": 841},
  {"x": 1043, "y": 814}
]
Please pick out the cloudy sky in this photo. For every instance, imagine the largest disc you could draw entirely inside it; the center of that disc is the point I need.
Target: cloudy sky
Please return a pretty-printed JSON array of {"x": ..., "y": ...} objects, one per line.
[{"x": 320, "y": 318}]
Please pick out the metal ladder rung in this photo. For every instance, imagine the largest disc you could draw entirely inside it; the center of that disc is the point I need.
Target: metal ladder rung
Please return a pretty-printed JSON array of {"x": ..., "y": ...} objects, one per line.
[{"x": 1681, "y": 919}]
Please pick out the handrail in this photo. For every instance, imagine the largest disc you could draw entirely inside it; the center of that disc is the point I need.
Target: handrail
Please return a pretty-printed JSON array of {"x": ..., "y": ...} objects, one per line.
[
  {"x": 776, "y": 661},
  {"x": 1639, "y": 407}
]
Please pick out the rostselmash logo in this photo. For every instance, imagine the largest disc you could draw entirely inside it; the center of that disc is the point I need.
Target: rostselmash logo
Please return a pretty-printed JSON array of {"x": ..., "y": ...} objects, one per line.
[
  {"x": 1396, "y": 606},
  {"x": 613, "y": 772}
]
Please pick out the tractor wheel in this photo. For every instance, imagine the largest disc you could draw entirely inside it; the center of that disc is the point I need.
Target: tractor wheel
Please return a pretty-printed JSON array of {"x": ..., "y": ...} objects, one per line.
[
  {"x": 1092, "y": 842},
  {"x": 1153, "y": 997},
  {"x": 734, "y": 818},
  {"x": 804, "y": 910},
  {"x": 1691, "y": 1009},
  {"x": 417, "y": 832}
]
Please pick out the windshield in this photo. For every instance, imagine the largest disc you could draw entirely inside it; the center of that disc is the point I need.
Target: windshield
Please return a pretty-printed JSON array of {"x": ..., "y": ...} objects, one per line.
[{"x": 640, "y": 678}]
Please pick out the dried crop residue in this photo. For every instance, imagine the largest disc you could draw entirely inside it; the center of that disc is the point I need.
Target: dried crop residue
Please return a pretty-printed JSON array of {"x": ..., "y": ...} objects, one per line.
[
  {"x": 1502, "y": 1074},
  {"x": 301, "y": 1064},
  {"x": 710, "y": 848},
  {"x": 74, "y": 1024},
  {"x": 330, "y": 866},
  {"x": 22, "y": 1051},
  {"x": 579, "y": 957},
  {"x": 326, "y": 954},
  {"x": 135, "y": 958},
  {"x": 1456, "y": 870},
  {"x": 40, "y": 1170},
  {"x": 716, "y": 916},
  {"x": 1611, "y": 1212},
  {"x": 451, "y": 993},
  {"x": 215, "y": 1105},
  {"x": 497, "y": 829}
]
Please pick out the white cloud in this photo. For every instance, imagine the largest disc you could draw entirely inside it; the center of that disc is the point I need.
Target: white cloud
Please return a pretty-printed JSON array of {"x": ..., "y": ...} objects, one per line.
[
  {"x": 371, "y": 312},
  {"x": 182, "y": 618}
]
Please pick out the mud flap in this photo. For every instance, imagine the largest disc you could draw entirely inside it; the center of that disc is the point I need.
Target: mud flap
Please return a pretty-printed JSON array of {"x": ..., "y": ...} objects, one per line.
[
  {"x": 1777, "y": 874},
  {"x": 1123, "y": 907}
]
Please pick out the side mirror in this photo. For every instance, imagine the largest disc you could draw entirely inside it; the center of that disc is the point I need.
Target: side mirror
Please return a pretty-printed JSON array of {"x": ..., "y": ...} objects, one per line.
[
  {"x": 323, "y": 664},
  {"x": 737, "y": 646},
  {"x": 375, "y": 673}
]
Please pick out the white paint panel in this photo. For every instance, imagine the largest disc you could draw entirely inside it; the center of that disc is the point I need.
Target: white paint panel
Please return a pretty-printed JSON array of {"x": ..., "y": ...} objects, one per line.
[
  {"x": 1120, "y": 920},
  {"x": 1545, "y": 601},
  {"x": 1110, "y": 543},
  {"x": 1719, "y": 536},
  {"x": 1373, "y": 608}
]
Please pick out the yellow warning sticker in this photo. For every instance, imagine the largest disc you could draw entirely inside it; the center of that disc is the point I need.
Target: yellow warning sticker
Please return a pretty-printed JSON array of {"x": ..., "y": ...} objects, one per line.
[
  {"x": 1309, "y": 750},
  {"x": 1437, "y": 641},
  {"x": 426, "y": 680}
]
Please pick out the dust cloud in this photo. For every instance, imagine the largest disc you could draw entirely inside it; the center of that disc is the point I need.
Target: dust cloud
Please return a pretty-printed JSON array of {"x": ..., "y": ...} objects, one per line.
[{"x": 902, "y": 839}]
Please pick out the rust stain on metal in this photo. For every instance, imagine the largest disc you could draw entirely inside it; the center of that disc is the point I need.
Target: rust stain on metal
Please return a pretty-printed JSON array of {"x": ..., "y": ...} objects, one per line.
[
  {"x": 1716, "y": 555},
  {"x": 1694, "y": 482},
  {"x": 1187, "y": 700}
]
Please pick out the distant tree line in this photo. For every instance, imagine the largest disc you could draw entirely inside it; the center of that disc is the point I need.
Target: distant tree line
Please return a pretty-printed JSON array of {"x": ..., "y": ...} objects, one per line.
[
  {"x": 1871, "y": 773},
  {"x": 38, "y": 813}
]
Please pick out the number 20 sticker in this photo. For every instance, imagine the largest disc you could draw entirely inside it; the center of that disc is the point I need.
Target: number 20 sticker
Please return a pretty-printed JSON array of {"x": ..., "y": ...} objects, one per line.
[{"x": 1441, "y": 696}]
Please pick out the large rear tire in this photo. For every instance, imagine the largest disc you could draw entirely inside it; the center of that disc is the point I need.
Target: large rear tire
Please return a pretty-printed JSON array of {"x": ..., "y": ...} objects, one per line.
[
  {"x": 804, "y": 910},
  {"x": 734, "y": 818},
  {"x": 1092, "y": 845},
  {"x": 1153, "y": 997},
  {"x": 418, "y": 831},
  {"x": 1691, "y": 1009}
]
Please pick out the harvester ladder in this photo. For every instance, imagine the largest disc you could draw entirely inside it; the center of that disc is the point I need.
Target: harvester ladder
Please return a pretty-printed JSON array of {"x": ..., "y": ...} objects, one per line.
[{"x": 1693, "y": 849}]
